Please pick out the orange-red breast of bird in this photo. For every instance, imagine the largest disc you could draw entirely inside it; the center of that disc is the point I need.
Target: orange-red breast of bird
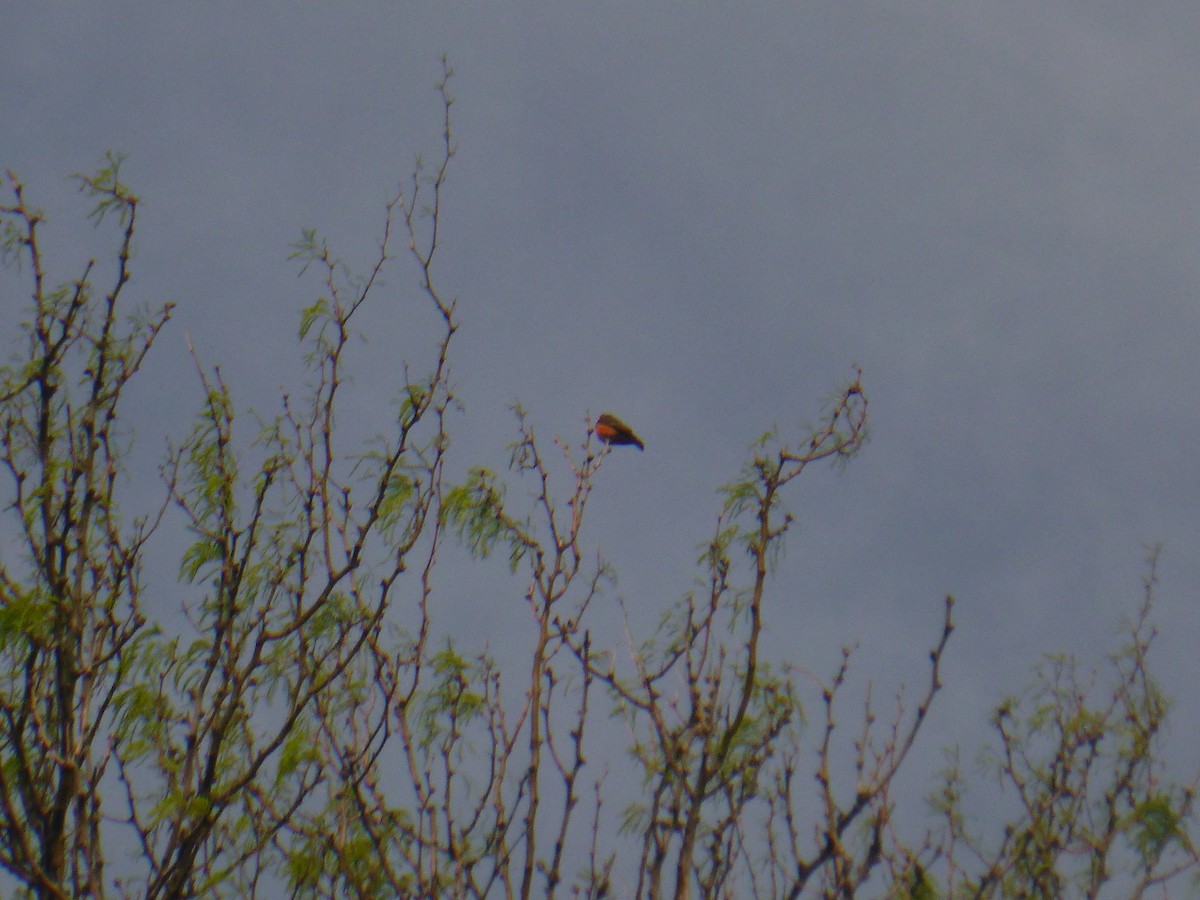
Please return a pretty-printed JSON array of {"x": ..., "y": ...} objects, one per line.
[{"x": 612, "y": 430}]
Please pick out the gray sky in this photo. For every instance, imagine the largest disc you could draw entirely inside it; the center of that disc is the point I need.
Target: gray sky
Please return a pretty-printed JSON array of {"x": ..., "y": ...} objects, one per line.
[{"x": 699, "y": 217}]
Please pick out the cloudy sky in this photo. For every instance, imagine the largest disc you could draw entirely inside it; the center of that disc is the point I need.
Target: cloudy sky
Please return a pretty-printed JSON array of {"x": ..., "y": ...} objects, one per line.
[{"x": 701, "y": 217}]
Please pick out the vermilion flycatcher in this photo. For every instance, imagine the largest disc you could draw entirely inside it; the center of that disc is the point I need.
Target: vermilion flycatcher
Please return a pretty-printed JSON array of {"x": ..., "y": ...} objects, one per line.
[{"x": 612, "y": 430}]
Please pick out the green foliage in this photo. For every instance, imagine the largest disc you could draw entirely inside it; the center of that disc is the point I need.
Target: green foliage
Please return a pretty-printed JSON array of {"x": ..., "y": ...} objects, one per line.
[
  {"x": 310, "y": 315},
  {"x": 24, "y": 616},
  {"x": 475, "y": 510},
  {"x": 1154, "y": 824},
  {"x": 106, "y": 185},
  {"x": 199, "y": 558},
  {"x": 450, "y": 703},
  {"x": 918, "y": 885},
  {"x": 298, "y": 748}
]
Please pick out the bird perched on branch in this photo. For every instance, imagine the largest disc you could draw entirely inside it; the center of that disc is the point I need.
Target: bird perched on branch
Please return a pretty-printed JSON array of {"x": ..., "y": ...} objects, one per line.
[{"x": 612, "y": 430}]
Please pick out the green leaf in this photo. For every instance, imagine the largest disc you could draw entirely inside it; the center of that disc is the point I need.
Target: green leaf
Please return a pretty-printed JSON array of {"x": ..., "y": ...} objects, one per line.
[
  {"x": 1155, "y": 825},
  {"x": 475, "y": 510},
  {"x": 197, "y": 557},
  {"x": 297, "y": 749},
  {"x": 920, "y": 886},
  {"x": 399, "y": 488},
  {"x": 311, "y": 314}
]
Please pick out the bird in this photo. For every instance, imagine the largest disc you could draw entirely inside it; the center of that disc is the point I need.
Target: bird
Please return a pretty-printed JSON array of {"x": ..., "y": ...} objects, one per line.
[{"x": 612, "y": 430}]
